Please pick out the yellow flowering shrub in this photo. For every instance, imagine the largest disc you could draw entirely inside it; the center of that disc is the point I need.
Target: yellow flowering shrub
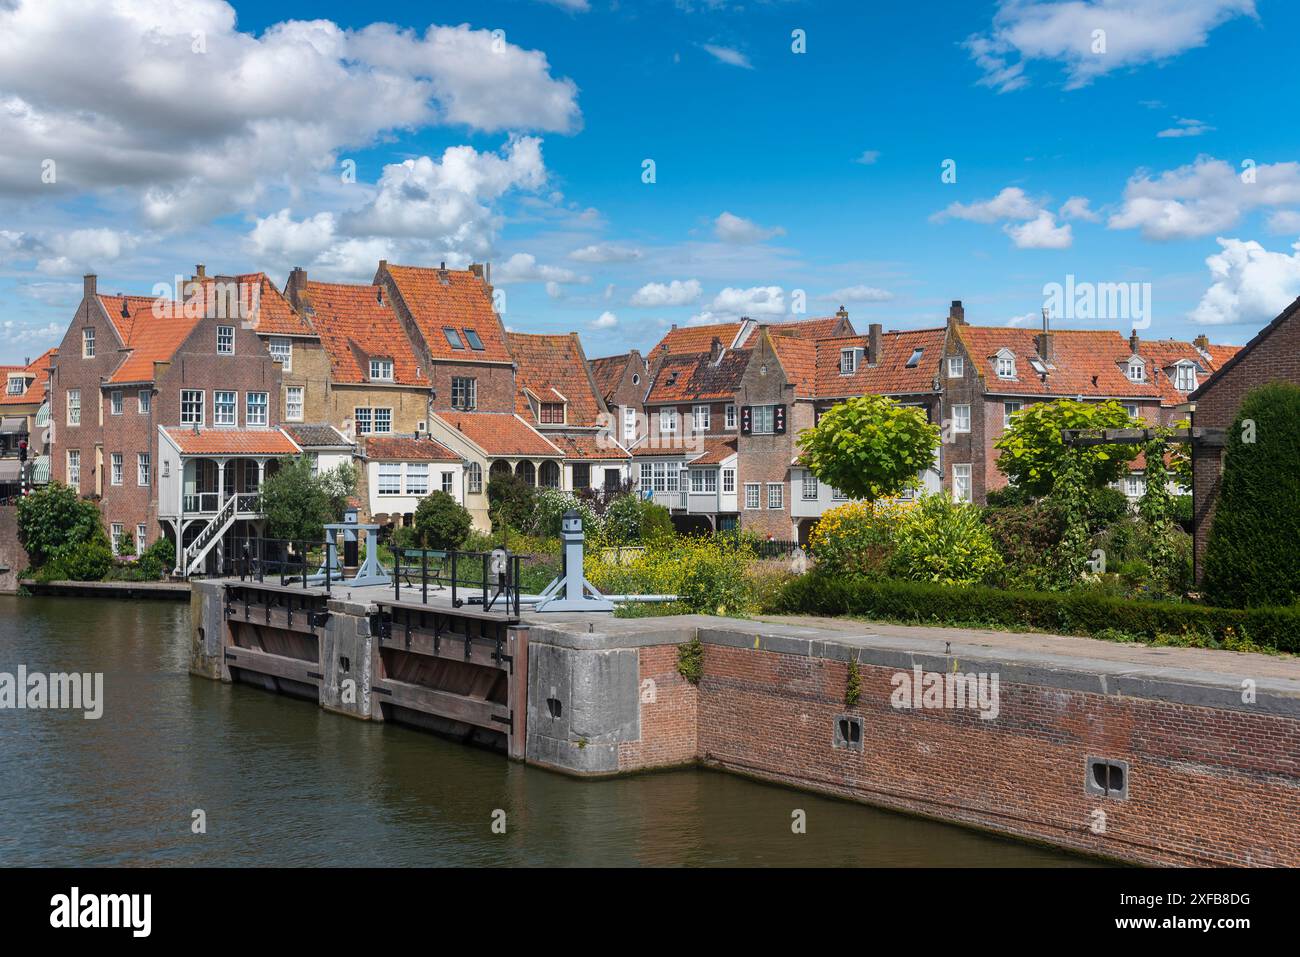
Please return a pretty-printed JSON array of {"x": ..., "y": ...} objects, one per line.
[
  {"x": 858, "y": 538},
  {"x": 708, "y": 574}
]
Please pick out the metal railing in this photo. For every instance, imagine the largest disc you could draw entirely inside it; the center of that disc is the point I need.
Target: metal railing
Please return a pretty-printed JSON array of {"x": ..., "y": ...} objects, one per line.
[
  {"x": 288, "y": 561},
  {"x": 494, "y": 579},
  {"x": 205, "y": 503}
]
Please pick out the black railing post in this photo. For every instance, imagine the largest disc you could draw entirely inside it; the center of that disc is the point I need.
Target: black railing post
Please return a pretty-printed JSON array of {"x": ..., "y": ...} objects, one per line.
[
  {"x": 424, "y": 575},
  {"x": 517, "y": 580},
  {"x": 485, "y": 581},
  {"x": 284, "y": 560},
  {"x": 397, "y": 572},
  {"x": 329, "y": 560},
  {"x": 304, "y": 566},
  {"x": 454, "y": 602}
]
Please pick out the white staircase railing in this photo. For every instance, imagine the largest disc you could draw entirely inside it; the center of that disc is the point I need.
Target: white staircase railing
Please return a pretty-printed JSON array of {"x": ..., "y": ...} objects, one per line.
[{"x": 245, "y": 504}]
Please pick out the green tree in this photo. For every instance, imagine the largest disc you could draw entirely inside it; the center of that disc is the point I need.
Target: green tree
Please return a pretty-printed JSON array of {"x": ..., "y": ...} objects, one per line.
[
  {"x": 939, "y": 540},
  {"x": 441, "y": 522},
  {"x": 1252, "y": 557},
  {"x": 298, "y": 504},
  {"x": 54, "y": 517},
  {"x": 1034, "y": 456},
  {"x": 511, "y": 502},
  {"x": 870, "y": 447}
]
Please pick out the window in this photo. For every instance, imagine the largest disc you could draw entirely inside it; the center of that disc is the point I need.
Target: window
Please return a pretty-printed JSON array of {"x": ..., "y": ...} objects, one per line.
[
  {"x": 255, "y": 412},
  {"x": 729, "y": 481},
  {"x": 961, "y": 487},
  {"x": 282, "y": 352},
  {"x": 581, "y": 475},
  {"x": 704, "y": 480},
  {"x": 225, "y": 340},
  {"x": 417, "y": 479},
  {"x": 668, "y": 420},
  {"x": 144, "y": 468},
  {"x": 453, "y": 337},
  {"x": 74, "y": 467},
  {"x": 752, "y": 495},
  {"x": 141, "y": 538},
  {"x": 362, "y": 419},
  {"x": 448, "y": 479},
  {"x": 956, "y": 367},
  {"x": 293, "y": 403},
  {"x": 474, "y": 341},
  {"x": 74, "y": 407},
  {"x": 961, "y": 418},
  {"x": 1006, "y": 367},
  {"x": 764, "y": 420},
  {"x": 731, "y": 416},
  {"x": 475, "y": 473},
  {"x": 144, "y": 401},
  {"x": 381, "y": 370},
  {"x": 661, "y": 476},
  {"x": 464, "y": 392},
  {"x": 629, "y": 424},
  {"x": 1137, "y": 372},
  {"x": 848, "y": 361},
  {"x": 775, "y": 495},
  {"x": 383, "y": 420},
  {"x": 809, "y": 487},
  {"x": 117, "y": 532},
  {"x": 647, "y": 475},
  {"x": 1009, "y": 409},
  {"x": 191, "y": 407},
  {"x": 88, "y": 343},
  {"x": 223, "y": 408},
  {"x": 115, "y": 466},
  {"x": 390, "y": 478},
  {"x": 17, "y": 385},
  {"x": 1134, "y": 487},
  {"x": 552, "y": 413},
  {"x": 115, "y": 402},
  {"x": 1133, "y": 411},
  {"x": 1185, "y": 378},
  {"x": 700, "y": 414},
  {"x": 915, "y": 359}
]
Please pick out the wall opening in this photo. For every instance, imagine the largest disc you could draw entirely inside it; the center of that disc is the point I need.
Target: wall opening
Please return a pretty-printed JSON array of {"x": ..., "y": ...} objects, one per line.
[
  {"x": 554, "y": 708},
  {"x": 1107, "y": 777},
  {"x": 848, "y": 732}
]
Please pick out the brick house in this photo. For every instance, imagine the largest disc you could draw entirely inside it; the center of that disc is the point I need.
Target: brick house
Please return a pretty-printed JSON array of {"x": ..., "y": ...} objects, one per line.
[
  {"x": 1273, "y": 355},
  {"x": 622, "y": 382},
  {"x": 24, "y": 417}
]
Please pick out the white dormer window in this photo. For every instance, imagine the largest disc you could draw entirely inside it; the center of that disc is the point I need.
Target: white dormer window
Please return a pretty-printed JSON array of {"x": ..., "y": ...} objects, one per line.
[
  {"x": 956, "y": 367},
  {"x": 848, "y": 361},
  {"x": 1185, "y": 377},
  {"x": 17, "y": 385},
  {"x": 381, "y": 370},
  {"x": 1137, "y": 370},
  {"x": 1005, "y": 364}
]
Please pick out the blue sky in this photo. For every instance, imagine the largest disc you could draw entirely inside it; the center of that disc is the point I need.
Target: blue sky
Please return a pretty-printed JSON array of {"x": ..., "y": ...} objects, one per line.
[{"x": 783, "y": 180}]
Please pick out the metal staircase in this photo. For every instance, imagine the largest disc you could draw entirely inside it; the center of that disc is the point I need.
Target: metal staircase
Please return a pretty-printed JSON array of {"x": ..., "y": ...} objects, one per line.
[{"x": 245, "y": 505}]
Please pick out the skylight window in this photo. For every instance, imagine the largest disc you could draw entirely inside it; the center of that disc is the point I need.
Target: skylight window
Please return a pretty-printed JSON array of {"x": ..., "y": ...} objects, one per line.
[
  {"x": 474, "y": 341},
  {"x": 915, "y": 360},
  {"x": 453, "y": 337}
]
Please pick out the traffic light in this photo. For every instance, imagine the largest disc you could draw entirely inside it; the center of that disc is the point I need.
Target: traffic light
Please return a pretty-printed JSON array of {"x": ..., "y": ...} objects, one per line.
[{"x": 22, "y": 451}]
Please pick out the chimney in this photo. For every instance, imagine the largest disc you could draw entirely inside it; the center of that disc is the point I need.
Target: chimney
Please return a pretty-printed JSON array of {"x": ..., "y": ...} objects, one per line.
[
  {"x": 200, "y": 272},
  {"x": 1202, "y": 342},
  {"x": 89, "y": 285},
  {"x": 1044, "y": 339},
  {"x": 476, "y": 269},
  {"x": 296, "y": 288},
  {"x": 1133, "y": 342},
  {"x": 842, "y": 313},
  {"x": 956, "y": 314},
  {"x": 715, "y": 349},
  {"x": 873, "y": 344}
]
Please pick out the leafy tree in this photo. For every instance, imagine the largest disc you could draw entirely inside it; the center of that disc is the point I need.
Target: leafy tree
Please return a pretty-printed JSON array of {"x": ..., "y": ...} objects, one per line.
[
  {"x": 298, "y": 504},
  {"x": 441, "y": 522},
  {"x": 1252, "y": 558},
  {"x": 939, "y": 540},
  {"x": 511, "y": 501},
  {"x": 870, "y": 447},
  {"x": 1034, "y": 456},
  {"x": 53, "y": 517}
]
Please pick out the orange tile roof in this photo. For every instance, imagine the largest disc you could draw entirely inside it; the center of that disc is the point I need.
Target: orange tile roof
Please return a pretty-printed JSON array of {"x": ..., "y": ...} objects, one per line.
[
  {"x": 354, "y": 327},
  {"x": 821, "y": 328},
  {"x": 231, "y": 441},
  {"x": 697, "y": 338},
  {"x": 123, "y": 319},
  {"x": 585, "y": 445},
  {"x": 266, "y": 308},
  {"x": 608, "y": 373},
  {"x": 39, "y": 370},
  {"x": 798, "y": 357},
  {"x": 549, "y": 364},
  {"x": 456, "y": 298},
  {"x": 150, "y": 335},
  {"x": 891, "y": 374},
  {"x": 500, "y": 433},
  {"x": 398, "y": 448},
  {"x": 1165, "y": 353},
  {"x": 716, "y": 450},
  {"x": 689, "y": 376}
]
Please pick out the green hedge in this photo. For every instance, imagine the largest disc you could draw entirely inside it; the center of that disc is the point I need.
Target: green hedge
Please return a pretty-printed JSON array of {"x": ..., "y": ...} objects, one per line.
[{"x": 1067, "y": 613}]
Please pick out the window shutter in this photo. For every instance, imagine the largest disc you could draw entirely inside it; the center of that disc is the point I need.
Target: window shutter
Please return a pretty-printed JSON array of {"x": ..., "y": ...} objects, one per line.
[
  {"x": 778, "y": 419},
  {"x": 746, "y": 420}
]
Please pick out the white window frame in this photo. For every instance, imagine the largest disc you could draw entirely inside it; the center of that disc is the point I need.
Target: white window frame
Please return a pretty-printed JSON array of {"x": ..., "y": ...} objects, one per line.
[
  {"x": 701, "y": 417},
  {"x": 218, "y": 406},
  {"x": 962, "y": 473},
  {"x": 848, "y": 361},
  {"x": 74, "y": 467},
  {"x": 730, "y": 416},
  {"x": 1006, "y": 367},
  {"x": 141, "y": 538},
  {"x": 385, "y": 415},
  {"x": 809, "y": 489},
  {"x": 115, "y": 531},
  {"x": 629, "y": 423},
  {"x": 753, "y": 495},
  {"x": 116, "y": 402},
  {"x": 775, "y": 495},
  {"x": 116, "y": 468},
  {"x": 362, "y": 414},
  {"x": 417, "y": 478},
  {"x": 388, "y": 480},
  {"x": 293, "y": 411},
  {"x": 728, "y": 481},
  {"x": 1137, "y": 371},
  {"x": 956, "y": 367},
  {"x": 88, "y": 342},
  {"x": 1008, "y": 411},
  {"x": 188, "y": 418},
  {"x": 225, "y": 340},
  {"x": 667, "y": 421},
  {"x": 704, "y": 481},
  {"x": 143, "y": 402},
  {"x": 74, "y": 406},
  {"x": 144, "y": 468},
  {"x": 468, "y": 388},
  {"x": 448, "y": 483},
  {"x": 281, "y": 349},
  {"x": 381, "y": 370},
  {"x": 264, "y": 407},
  {"x": 475, "y": 473},
  {"x": 1185, "y": 377},
  {"x": 768, "y": 414},
  {"x": 1133, "y": 409},
  {"x": 960, "y": 413},
  {"x": 17, "y": 385}
]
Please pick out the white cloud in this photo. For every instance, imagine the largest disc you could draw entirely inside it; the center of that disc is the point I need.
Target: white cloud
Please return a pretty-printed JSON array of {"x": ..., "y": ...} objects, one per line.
[
  {"x": 731, "y": 303},
  {"x": 737, "y": 229},
  {"x": 85, "y": 250},
  {"x": 1135, "y": 32},
  {"x": 1184, "y": 128},
  {"x": 858, "y": 294},
  {"x": 868, "y": 157},
  {"x": 1284, "y": 221},
  {"x": 524, "y": 267},
  {"x": 1250, "y": 283},
  {"x": 1203, "y": 198},
  {"x": 606, "y": 320},
  {"x": 16, "y": 333},
  {"x": 554, "y": 290},
  {"x": 1076, "y": 207},
  {"x": 193, "y": 134},
  {"x": 606, "y": 253},
  {"x": 1041, "y": 232},
  {"x": 1027, "y": 319},
  {"x": 1011, "y": 203},
  {"x": 675, "y": 293},
  {"x": 573, "y": 6},
  {"x": 728, "y": 55}
]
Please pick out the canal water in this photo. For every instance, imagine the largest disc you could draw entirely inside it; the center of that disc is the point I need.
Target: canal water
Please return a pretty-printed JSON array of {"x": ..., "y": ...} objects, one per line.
[{"x": 281, "y": 782}]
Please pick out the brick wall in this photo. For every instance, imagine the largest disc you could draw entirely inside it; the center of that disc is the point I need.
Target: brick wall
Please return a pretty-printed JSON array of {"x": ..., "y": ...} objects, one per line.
[
  {"x": 669, "y": 723},
  {"x": 765, "y": 459}
]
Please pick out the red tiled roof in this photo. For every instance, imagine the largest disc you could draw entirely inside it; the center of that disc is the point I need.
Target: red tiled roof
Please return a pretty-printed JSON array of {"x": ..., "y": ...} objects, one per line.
[
  {"x": 798, "y": 357},
  {"x": 266, "y": 308},
  {"x": 685, "y": 377},
  {"x": 153, "y": 329},
  {"x": 821, "y": 328},
  {"x": 716, "y": 449},
  {"x": 608, "y": 373},
  {"x": 697, "y": 338},
  {"x": 891, "y": 374},
  {"x": 585, "y": 445},
  {"x": 231, "y": 441},
  {"x": 554, "y": 369},
  {"x": 39, "y": 371},
  {"x": 1165, "y": 353},
  {"x": 500, "y": 433},
  {"x": 455, "y": 298},
  {"x": 397, "y": 448},
  {"x": 355, "y": 326}
]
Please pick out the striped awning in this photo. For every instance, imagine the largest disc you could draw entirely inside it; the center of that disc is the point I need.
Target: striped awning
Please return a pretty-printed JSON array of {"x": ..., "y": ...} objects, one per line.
[
  {"x": 43, "y": 415},
  {"x": 41, "y": 470}
]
